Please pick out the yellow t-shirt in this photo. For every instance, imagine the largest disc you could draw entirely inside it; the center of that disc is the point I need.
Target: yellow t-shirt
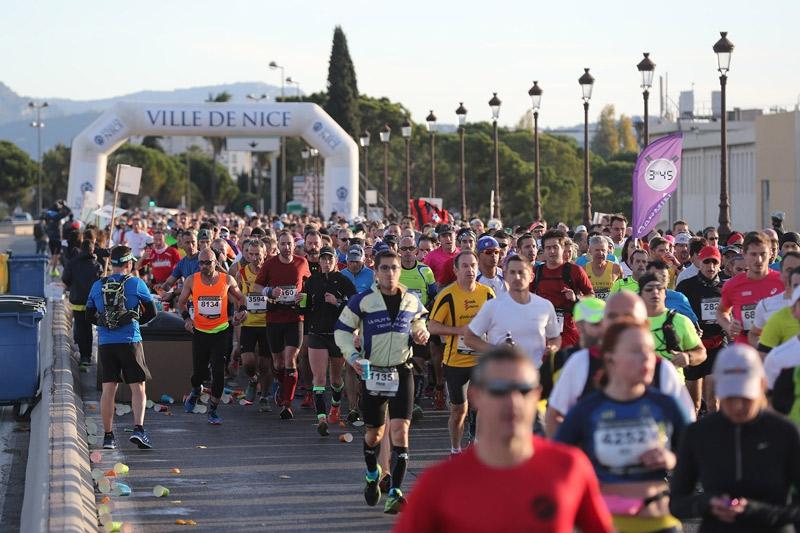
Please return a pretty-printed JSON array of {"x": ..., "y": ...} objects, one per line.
[
  {"x": 780, "y": 327},
  {"x": 256, "y": 303},
  {"x": 602, "y": 283},
  {"x": 455, "y": 307}
]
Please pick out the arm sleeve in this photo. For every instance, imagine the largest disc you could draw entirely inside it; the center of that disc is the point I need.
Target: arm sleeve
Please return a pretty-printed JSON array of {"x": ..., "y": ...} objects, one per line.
[
  {"x": 66, "y": 277},
  {"x": 551, "y": 330},
  {"x": 441, "y": 312},
  {"x": 725, "y": 299},
  {"x": 418, "y": 323},
  {"x": 430, "y": 282},
  {"x": 143, "y": 292},
  {"x": 782, "y": 395},
  {"x": 670, "y": 384},
  {"x": 593, "y": 515},
  {"x": 348, "y": 289},
  {"x": 761, "y": 315},
  {"x": 176, "y": 272},
  {"x": 772, "y": 369},
  {"x": 685, "y": 308},
  {"x": 684, "y": 502},
  {"x": 349, "y": 321}
]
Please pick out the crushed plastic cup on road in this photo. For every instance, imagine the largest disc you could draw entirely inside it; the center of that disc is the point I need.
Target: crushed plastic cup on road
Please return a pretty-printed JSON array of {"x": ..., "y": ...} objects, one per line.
[
  {"x": 346, "y": 437},
  {"x": 159, "y": 408},
  {"x": 93, "y": 440},
  {"x": 225, "y": 398},
  {"x": 104, "y": 485},
  {"x": 95, "y": 457},
  {"x": 97, "y": 474},
  {"x": 166, "y": 398},
  {"x": 150, "y": 404},
  {"x": 176, "y": 470},
  {"x": 110, "y": 473},
  {"x": 159, "y": 491},
  {"x": 104, "y": 508},
  {"x": 121, "y": 468},
  {"x": 91, "y": 427},
  {"x": 105, "y": 519},
  {"x": 121, "y": 489},
  {"x": 200, "y": 409}
]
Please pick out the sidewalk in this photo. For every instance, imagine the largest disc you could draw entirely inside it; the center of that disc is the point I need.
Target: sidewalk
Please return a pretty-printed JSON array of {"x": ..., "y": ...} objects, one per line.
[{"x": 253, "y": 473}]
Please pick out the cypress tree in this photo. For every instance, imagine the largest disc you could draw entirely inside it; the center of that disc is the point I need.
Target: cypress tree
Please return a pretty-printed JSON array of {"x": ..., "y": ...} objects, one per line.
[{"x": 342, "y": 102}]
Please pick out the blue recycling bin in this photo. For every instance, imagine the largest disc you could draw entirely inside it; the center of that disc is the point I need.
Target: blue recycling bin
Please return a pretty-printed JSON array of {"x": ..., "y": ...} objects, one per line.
[
  {"x": 20, "y": 319},
  {"x": 27, "y": 274}
]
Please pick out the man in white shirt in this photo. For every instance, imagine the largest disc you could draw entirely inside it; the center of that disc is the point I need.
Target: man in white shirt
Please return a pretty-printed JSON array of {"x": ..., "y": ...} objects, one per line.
[
  {"x": 138, "y": 239},
  {"x": 518, "y": 316}
]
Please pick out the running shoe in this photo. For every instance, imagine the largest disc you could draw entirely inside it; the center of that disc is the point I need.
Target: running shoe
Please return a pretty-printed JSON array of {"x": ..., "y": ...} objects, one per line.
[
  {"x": 322, "y": 427},
  {"x": 372, "y": 492},
  {"x": 141, "y": 439},
  {"x": 438, "y": 400},
  {"x": 264, "y": 406},
  {"x": 353, "y": 416},
  {"x": 308, "y": 401},
  {"x": 395, "y": 502},
  {"x": 250, "y": 391},
  {"x": 213, "y": 418},
  {"x": 190, "y": 402},
  {"x": 109, "y": 442},
  {"x": 286, "y": 413},
  {"x": 386, "y": 483},
  {"x": 417, "y": 414},
  {"x": 333, "y": 415}
]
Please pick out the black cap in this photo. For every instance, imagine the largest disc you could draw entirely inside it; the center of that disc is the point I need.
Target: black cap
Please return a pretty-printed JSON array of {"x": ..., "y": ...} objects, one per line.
[
  {"x": 790, "y": 236},
  {"x": 441, "y": 229},
  {"x": 390, "y": 239},
  {"x": 327, "y": 250}
]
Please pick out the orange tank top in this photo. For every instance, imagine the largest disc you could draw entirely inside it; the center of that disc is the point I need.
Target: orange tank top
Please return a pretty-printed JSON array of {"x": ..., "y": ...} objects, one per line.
[{"x": 210, "y": 304}]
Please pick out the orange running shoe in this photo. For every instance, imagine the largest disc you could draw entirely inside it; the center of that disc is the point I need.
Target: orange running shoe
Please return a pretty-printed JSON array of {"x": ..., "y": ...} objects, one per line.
[
  {"x": 333, "y": 416},
  {"x": 308, "y": 401}
]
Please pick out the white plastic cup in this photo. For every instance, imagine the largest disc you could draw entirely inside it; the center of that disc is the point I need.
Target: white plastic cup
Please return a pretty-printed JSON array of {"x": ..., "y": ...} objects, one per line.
[
  {"x": 104, "y": 485},
  {"x": 160, "y": 491}
]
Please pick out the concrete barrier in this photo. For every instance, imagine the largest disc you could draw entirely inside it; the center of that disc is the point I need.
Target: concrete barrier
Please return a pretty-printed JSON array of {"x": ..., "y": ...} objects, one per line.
[{"x": 59, "y": 494}]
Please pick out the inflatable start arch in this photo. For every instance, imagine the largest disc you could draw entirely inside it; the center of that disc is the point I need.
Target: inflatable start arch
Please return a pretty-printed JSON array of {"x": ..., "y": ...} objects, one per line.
[{"x": 90, "y": 149}]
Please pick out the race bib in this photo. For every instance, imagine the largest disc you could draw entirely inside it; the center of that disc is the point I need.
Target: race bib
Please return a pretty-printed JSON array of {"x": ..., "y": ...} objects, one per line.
[
  {"x": 288, "y": 294},
  {"x": 560, "y": 320},
  {"x": 601, "y": 294},
  {"x": 748, "y": 316},
  {"x": 619, "y": 444},
  {"x": 256, "y": 303},
  {"x": 209, "y": 306},
  {"x": 708, "y": 309},
  {"x": 383, "y": 381},
  {"x": 462, "y": 346}
]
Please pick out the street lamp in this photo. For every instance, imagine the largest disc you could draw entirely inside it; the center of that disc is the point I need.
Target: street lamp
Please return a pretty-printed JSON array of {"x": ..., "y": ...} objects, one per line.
[
  {"x": 296, "y": 84},
  {"x": 535, "y": 93},
  {"x": 364, "y": 140},
  {"x": 461, "y": 113},
  {"x": 647, "y": 68},
  {"x": 494, "y": 104},
  {"x": 386, "y": 133},
  {"x": 305, "y": 153},
  {"x": 587, "y": 84},
  {"x": 317, "y": 179},
  {"x": 272, "y": 66},
  {"x": 431, "y": 120},
  {"x": 257, "y": 97},
  {"x": 38, "y": 124},
  {"x": 723, "y": 48},
  {"x": 405, "y": 130}
]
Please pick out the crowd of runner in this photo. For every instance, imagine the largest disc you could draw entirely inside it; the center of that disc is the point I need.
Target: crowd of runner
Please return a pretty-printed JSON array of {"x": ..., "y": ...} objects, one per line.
[{"x": 593, "y": 380}]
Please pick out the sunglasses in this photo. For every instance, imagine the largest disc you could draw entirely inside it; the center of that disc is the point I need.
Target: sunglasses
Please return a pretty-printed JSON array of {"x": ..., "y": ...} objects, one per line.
[
  {"x": 708, "y": 261},
  {"x": 501, "y": 389},
  {"x": 407, "y": 248},
  {"x": 503, "y": 245},
  {"x": 206, "y": 262}
]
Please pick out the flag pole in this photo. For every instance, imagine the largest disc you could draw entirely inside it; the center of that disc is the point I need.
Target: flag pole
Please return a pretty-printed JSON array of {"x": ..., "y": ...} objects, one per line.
[{"x": 113, "y": 214}]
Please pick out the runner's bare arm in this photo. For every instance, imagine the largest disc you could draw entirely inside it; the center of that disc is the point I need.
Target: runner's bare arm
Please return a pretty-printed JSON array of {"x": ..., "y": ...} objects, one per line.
[{"x": 476, "y": 343}]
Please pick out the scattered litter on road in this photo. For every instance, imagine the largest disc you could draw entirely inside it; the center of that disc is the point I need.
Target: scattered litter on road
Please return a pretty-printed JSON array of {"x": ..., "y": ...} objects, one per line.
[{"x": 159, "y": 491}]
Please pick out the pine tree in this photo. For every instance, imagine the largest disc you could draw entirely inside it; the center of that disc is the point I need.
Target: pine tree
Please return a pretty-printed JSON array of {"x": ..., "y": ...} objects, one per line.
[
  {"x": 627, "y": 138},
  {"x": 606, "y": 140},
  {"x": 342, "y": 103},
  {"x": 218, "y": 144}
]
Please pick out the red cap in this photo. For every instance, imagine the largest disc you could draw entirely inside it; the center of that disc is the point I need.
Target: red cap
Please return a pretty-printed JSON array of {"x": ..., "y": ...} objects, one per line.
[
  {"x": 735, "y": 238},
  {"x": 709, "y": 252}
]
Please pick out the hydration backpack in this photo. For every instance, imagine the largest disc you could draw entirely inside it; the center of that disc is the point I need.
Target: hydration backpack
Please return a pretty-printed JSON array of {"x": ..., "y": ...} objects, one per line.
[{"x": 115, "y": 314}]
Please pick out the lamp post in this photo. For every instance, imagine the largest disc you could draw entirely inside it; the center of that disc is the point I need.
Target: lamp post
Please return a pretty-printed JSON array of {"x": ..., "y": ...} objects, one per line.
[
  {"x": 461, "y": 113},
  {"x": 273, "y": 65},
  {"x": 364, "y": 141},
  {"x": 317, "y": 185},
  {"x": 494, "y": 104},
  {"x": 405, "y": 130},
  {"x": 386, "y": 133},
  {"x": 296, "y": 84},
  {"x": 646, "y": 68},
  {"x": 38, "y": 124},
  {"x": 535, "y": 93},
  {"x": 587, "y": 84},
  {"x": 256, "y": 98},
  {"x": 723, "y": 48},
  {"x": 305, "y": 153},
  {"x": 431, "y": 121}
]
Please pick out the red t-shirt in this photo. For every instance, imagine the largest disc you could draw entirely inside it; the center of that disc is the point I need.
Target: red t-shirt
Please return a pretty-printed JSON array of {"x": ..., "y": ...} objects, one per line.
[
  {"x": 556, "y": 490},
  {"x": 441, "y": 263},
  {"x": 162, "y": 262},
  {"x": 290, "y": 278},
  {"x": 549, "y": 286},
  {"x": 741, "y": 294}
]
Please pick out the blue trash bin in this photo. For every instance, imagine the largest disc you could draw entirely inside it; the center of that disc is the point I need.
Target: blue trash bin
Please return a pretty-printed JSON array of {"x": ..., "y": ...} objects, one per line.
[
  {"x": 27, "y": 274},
  {"x": 19, "y": 349}
]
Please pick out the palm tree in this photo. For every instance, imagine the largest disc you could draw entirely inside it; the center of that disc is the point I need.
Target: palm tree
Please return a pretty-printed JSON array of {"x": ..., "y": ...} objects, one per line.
[{"x": 217, "y": 146}]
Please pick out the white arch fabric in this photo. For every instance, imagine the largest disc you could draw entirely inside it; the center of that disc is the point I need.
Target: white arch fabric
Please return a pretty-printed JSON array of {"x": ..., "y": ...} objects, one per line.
[{"x": 90, "y": 149}]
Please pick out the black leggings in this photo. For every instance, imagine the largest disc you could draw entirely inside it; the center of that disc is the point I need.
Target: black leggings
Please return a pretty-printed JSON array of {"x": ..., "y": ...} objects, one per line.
[
  {"x": 82, "y": 333},
  {"x": 210, "y": 347}
]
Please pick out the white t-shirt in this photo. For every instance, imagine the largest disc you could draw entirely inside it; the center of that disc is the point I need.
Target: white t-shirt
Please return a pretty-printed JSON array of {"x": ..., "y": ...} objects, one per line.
[
  {"x": 688, "y": 272},
  {"x": 530, "y": 324},
  {"x": 575, "y": 372},
  {"x": 786, "y": 355},
  {"x": 137, "y": 242},
  {"x": 767, "y": 307},
  {"x": 626, "y": 270},
  {"x": 497, "y": 283}
]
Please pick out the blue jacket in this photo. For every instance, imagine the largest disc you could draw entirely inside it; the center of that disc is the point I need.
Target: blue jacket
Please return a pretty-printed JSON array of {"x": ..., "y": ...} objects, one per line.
[{"x": 363, "y": 280}]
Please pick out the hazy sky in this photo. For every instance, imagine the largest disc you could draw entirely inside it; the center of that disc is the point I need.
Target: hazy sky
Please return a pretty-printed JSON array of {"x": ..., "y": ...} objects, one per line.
[{"x": 427, "y": 55}]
